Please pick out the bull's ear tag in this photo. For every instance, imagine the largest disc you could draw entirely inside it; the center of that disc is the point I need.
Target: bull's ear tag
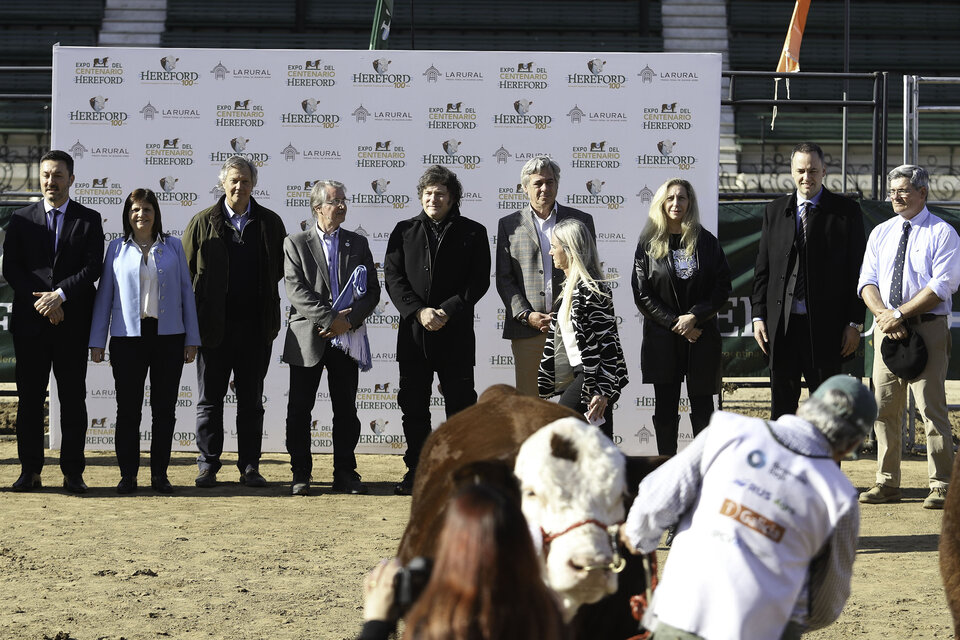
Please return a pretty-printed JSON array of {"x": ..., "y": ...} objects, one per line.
[{"x": 562, "y": 447}]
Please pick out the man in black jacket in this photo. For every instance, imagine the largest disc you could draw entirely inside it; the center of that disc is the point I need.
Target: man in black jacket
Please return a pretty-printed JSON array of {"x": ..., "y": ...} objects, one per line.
[
  {"x": 436, "y": 269},
  {"x": 806, "y": 313}
]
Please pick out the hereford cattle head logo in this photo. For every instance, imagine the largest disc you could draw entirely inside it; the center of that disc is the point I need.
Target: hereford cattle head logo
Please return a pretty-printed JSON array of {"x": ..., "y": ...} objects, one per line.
[
  {"x": 380, "y": 186},
  {"x": 98, "y": 103},
  {"x": 666, "y": 147},
  {"x": 596, "y": 66},
  {"x": 595, "y": 186},
  {"x": 381, "y": 65},
  {"x": 451, "y": 146},
  {"x": 168, "y": 183},
  {"x": 522, "y": 106},
  {"x": 239, "y": 143},
  {"x": 169, "y": 63}
]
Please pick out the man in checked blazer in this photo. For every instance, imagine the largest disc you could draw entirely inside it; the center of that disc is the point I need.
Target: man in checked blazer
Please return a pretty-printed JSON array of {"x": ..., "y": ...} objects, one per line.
[
  {"x": 52, "y": 256},
  {"x": 318, "y": 265},
  {"x": 526, "y": 280}
]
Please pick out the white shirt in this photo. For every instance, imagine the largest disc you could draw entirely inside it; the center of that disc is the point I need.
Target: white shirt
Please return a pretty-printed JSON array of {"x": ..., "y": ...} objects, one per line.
[
  {"x": 932, "y": 260},
  {"x": 569, "y": 336},
  {"x": 149, "y": 286}
]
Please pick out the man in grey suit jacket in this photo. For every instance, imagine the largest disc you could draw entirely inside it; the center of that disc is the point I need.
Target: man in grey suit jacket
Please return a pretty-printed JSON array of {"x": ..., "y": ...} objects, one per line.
[
  {"x": 526, "y": 279},
  {"x": 318, "y": 263}
]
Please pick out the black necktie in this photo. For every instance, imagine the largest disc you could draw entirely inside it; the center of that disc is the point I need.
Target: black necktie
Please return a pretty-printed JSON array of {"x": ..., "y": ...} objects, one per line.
[
  {"x": 800, "y": 290},
  {"x": 896, "y": 287}
]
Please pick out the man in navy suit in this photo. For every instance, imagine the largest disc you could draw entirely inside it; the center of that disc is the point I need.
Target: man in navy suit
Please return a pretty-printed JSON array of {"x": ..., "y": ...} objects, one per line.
[
  {"x": 52, "y": 256},
  {"x": 319, "y": 263}
]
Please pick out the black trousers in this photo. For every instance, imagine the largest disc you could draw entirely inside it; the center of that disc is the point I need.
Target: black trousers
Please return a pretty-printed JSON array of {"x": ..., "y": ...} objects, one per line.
[
  {"x": 793, "y": 358},
  {"x": 571, "y": 398},
  {"x": 246, "y": 355},
  {"x": 416, "y": 379},
  {"x": 343, "y": 374},
  {"x": 130, "y": 358},
  {"x": 666, "y": 420},
  {"x": 66, "y": 352}
]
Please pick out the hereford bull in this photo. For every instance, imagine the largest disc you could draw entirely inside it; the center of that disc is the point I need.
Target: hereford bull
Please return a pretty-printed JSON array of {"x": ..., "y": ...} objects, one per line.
[
  {"x": 491, "y": 433},
  {"x": 950, "y": 550}
]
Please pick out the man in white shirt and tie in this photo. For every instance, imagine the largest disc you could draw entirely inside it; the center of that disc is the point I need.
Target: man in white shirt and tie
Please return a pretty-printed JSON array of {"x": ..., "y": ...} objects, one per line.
[{"x": 910, "y": 272}]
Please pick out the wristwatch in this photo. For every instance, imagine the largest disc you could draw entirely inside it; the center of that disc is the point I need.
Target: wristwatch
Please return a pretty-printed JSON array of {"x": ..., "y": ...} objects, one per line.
[
  {"x": 858, "y": 327},
  {"x": 897, "y": 313}
]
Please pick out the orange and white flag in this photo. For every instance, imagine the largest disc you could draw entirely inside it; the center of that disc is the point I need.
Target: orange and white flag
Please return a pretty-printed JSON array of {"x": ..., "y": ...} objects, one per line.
[{"x": 790, "y": 56}]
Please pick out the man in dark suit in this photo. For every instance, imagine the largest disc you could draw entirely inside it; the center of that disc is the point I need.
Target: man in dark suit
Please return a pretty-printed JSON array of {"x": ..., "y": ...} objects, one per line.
[
  {"x": 806, "y": 313},
  {"x": 436, "y": 269},
  {"x": 52, "y": 256},
  {"x": 320, "y": 264},
  {"x": 527, "y": 281}
]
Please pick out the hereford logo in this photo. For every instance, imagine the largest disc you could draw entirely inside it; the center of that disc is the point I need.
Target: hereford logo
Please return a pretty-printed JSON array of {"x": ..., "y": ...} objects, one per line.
[
  {"x": 596, "y": 77},
  {"x": 511, "y": 197},
  {"x": 311, "y": 116},
  {"x": 380, "y": 197},
  {"x": 525, "y": 67},
  {"x": 99, "y": 71},
  {"x": 522, "y": 116},
  {"x": 382, "y": 76},
  {"x": 381, "y": 154},
  {"x": 596, "y": 196},
  {"x": 97, "y": 103},
  {"x": 98, "y": 423},
  {"x": 381, "y": 388},
  {"x": 454, "y": 115},
  {"x": 298, "y": 196},
  {"x": 168, "y": 183},
  {"x": 452, "y": 156},
  {"x": 667, "y": 116},
  {"x": 240, "y": 113},
  {"x": 667, "y": 155},
  {"x": 169, "y": 74},
  {"x": 239, "y": 144},
  {"x": 595, "y": 155},
  {"x": 378, "y": 426},
  {"x": 312, "y": 73},
  {"x": 169, "y": 152},
  {"x": 98, "y": 191},
  {"x": 525, "y": 75},
  {"x": 451, "y": 146}
]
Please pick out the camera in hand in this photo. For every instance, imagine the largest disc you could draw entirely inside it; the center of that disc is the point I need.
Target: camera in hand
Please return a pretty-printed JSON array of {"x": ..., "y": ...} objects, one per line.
[{"x": 409, "y": 582}]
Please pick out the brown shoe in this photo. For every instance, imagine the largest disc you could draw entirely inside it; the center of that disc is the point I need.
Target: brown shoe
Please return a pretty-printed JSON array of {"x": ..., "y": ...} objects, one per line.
[
  {"x": 936, "y": 499},
  {"x": 880, "y": 494}
]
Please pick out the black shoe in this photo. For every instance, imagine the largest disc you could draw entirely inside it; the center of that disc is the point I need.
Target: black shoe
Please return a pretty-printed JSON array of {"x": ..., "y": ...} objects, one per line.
[
  {"x": 252, "y": 478},
  {"x": 127, "y": 484},
  {"x": 160, "y": 484},
  {"x": 405, "y": 486},
  {"x": 74, "y": 484},
  {"x": 349, "y": 483},
  {"x": 27, "y": 482},
  {"x": 206, "y": 478},
  {"x": 300, "y": 485}
]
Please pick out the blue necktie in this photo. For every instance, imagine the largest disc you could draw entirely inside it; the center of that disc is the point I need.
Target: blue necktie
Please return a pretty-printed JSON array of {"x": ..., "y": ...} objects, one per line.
[
  {"x": 332, "y": 269},
  {"x": 800, "y": 290},
  {"x": 52, "y": 220}
]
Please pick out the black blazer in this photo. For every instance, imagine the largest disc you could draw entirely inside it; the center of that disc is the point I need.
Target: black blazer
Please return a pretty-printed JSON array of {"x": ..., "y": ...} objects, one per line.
[
  {"x": 834, "y": 251},
  {"x": 29, "y": 265},
  {"x": 655, "y": 294},
  {"x": 454, "y": 281}
]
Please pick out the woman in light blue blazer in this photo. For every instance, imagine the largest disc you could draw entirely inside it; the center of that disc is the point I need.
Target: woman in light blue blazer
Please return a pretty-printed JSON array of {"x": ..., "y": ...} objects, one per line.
[{"x": 146, "y": 300}]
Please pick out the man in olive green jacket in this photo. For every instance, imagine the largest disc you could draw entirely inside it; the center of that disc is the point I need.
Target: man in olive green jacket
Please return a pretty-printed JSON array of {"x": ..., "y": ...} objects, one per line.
[{"x": 234, "y": 251}]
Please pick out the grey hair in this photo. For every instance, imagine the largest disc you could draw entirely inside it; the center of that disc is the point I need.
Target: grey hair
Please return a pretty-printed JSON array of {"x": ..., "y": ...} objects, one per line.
[
  {"x": 318, "y": 195},
  {"x": 537, "y": 164},
  {"x": 917, "y": 175},
  {"x": 827, "y": 415},
  {"x": 238, "y": 162}
]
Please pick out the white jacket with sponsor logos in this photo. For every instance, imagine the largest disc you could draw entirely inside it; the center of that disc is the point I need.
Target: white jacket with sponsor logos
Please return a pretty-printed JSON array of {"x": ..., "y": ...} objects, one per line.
[{"x": 758, "y": 512}]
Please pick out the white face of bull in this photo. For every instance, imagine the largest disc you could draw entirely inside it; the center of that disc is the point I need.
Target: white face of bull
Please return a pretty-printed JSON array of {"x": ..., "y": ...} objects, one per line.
[{"x": 571, "y": 474}]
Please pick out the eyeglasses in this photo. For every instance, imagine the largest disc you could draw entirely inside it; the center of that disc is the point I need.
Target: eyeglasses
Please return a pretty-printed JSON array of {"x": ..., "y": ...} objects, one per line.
[
  {"x": 337, "y": 202},
  {"x": 899, "y": 193}
]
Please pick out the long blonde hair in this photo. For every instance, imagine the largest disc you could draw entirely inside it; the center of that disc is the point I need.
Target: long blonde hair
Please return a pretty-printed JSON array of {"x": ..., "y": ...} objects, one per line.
[
  {"x": 583, "y": 262},
  {"x": 656, "y": 234}
]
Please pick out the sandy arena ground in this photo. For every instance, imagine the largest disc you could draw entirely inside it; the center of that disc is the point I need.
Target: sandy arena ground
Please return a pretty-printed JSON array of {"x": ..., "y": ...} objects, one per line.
[{"x": 233, "y": 562}]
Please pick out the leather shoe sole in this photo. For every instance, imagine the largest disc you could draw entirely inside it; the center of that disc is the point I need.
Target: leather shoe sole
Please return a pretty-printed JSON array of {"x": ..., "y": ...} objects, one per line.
[{"x": 27, "y": 482}]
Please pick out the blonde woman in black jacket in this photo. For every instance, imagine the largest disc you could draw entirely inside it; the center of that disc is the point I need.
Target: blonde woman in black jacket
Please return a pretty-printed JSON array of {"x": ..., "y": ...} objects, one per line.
[{"x": 680, "y": 281}]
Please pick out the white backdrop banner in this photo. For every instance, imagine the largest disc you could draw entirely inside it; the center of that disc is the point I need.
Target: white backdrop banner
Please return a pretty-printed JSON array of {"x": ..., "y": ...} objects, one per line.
[{"x": 618, "y": 124}]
